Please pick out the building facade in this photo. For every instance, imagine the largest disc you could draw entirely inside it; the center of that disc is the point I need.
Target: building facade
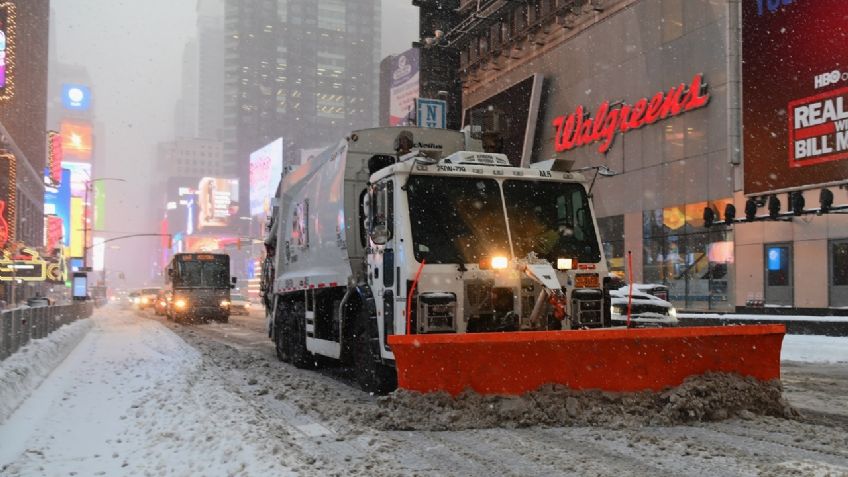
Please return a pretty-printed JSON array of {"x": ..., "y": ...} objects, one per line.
[
  {"x": 23, "y": 135},
  {"x": 651, "y": 89},
  {"x": 302, "y": 69}
]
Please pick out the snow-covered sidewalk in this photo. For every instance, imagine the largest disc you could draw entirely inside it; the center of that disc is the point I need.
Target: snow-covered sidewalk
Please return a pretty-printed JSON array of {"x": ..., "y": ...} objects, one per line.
[
  {"x": 127, "y": 401},
  {"x": 815, "y": 349}
]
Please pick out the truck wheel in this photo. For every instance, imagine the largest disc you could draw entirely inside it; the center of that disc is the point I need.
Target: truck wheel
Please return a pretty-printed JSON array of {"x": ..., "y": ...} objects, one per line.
[
  {"x": 294, "y": 332},
  {"x": 281, "y": 344},
  {"x": 371, "y": 374}
]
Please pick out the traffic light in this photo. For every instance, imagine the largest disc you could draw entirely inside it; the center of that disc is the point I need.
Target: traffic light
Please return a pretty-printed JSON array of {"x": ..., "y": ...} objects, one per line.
[
  {"x": 825, "y": 201},
  {"x": 729, "y": 213},
  {"x": 773, "y": 206},
  {"x": 709, "y": 216},
  {"x": 750, "y": 209},
  {"x": 796, "y": 202}
]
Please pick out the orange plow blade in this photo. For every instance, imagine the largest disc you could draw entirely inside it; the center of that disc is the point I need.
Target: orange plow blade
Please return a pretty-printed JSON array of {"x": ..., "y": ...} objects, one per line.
[{"x": 606, "y": 359}]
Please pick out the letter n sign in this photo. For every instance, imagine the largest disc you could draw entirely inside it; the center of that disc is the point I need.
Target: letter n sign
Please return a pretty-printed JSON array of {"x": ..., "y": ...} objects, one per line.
[{"x": 432, "y": 113}]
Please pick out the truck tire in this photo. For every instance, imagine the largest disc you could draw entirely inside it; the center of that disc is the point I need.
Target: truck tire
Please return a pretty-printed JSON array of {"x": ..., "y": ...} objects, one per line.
[
  {"x": 281, "y": 344},
  {"x": 372, "y": 375},
  {"x": 294, "y": 332}
]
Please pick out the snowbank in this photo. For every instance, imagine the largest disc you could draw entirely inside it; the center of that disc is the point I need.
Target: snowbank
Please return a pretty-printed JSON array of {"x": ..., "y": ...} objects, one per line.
[
  {"x": 22, "y": 372},
  {"x": 815, "y": 349},
  {"x": 765, "y": 317}
]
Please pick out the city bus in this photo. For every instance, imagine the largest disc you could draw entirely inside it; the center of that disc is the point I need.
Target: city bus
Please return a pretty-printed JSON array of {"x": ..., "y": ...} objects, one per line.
[{"x": 200, "y": 285}]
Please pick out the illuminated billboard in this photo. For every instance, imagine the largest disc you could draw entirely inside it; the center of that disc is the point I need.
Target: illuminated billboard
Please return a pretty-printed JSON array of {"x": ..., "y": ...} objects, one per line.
[
  {"x": 217, "y": 202},
  {"x": 76, "y": 97},
  {"x": 8, "y": 34},
  {"x": 98, "y": 254},
  {"x": 404, "y": 85},
  {"x": 80, "y": 175},
  {"x": 57, "y": 202},
  {"x": 795, "y": 85},
  {"x": 8, "y": 198},
  {"x": 54, "y": 156},
  {"x": 76, "y": 140},
  {"x": 266, "y": 168},
  {"x": 52, "y": 233},
  {"x": 77, "y": 225}
]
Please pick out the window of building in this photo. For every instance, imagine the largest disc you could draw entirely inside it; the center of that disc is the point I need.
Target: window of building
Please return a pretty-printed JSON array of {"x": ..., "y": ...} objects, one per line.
[
  {"x": 694, "y": 261},
  {"x": 331, "y": 15},
  {"x": 612, "y": 239}
]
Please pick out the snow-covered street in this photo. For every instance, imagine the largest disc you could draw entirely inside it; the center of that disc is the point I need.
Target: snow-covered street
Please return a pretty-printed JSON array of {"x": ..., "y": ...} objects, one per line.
[{"x": 142, "y": 396}]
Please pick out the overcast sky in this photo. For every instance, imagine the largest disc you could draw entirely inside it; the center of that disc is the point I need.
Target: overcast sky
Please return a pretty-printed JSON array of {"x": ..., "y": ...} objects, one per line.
[{"x": 133, "y": 51}]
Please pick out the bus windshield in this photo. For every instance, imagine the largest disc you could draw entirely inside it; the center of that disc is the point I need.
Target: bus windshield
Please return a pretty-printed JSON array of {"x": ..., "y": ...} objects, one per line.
[{"x": 201, "y": 274}]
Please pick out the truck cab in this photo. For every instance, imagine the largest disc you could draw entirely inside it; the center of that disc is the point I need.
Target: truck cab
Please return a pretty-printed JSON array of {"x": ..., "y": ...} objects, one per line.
[{"x": 414, "y": 231}]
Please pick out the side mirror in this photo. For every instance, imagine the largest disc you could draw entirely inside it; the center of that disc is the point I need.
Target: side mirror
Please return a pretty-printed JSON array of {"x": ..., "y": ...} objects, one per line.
[{"x": 233, "y": 280}]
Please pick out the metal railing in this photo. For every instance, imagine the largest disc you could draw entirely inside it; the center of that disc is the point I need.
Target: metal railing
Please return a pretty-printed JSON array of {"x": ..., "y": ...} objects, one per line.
[{"x": 19, "y": 326}]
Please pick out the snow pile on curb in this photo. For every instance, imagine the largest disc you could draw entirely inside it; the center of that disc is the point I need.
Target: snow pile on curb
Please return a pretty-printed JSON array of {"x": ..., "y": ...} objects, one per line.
[
  {"x": 709, "y": 397},
  {"x": 23, "y": 372}
]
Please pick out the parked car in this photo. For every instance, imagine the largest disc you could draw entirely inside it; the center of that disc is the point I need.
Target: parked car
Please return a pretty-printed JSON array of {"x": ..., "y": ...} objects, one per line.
[
  {"x": 647, "y": 310},
  {"x": 239, "y": 305}
]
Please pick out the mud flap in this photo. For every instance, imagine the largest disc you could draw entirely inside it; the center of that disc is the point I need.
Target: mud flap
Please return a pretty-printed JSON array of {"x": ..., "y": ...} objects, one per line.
[{"x": 606, "y": 359}]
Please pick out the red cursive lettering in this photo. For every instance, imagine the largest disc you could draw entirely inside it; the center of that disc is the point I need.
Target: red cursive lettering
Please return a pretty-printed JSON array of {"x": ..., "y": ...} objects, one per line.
[{"x": 580, "y": 129}]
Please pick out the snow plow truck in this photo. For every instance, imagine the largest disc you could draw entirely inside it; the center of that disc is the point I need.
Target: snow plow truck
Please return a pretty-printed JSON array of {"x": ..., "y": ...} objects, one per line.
[{"x": 426, "y": 264}]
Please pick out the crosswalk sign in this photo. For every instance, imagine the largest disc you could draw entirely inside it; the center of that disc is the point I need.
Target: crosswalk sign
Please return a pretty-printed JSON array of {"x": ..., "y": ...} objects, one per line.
[{"x": 432, "y": 113}]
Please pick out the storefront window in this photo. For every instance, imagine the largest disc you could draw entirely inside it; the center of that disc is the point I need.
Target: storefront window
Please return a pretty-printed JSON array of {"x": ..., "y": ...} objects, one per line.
[
  {"x": 695, "y": 262},
  {"x": 612, "y": 238}
]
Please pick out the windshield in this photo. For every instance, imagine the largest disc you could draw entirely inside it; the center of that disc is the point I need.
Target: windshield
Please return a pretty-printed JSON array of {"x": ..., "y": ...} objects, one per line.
[
  {"x": 458, "y": 223},
  {"x": 206, "y": 274},
  {"x": 551, "y": 219}
]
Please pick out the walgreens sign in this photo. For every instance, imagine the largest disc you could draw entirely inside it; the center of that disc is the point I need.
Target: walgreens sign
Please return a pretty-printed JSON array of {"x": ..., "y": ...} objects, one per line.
[{"x": 580, "y": 128}]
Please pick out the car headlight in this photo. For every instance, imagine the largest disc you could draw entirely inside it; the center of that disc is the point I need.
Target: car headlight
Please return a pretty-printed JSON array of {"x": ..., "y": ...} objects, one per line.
[
  {"x": 224, "y": 303},
  {"x": 618, "y": 310},
  {"x": 246, "y": 306},
  {"x": 180, "y": 303},
  {"x": 144, "y": 301},
  {"x": 672, "y": 312}
]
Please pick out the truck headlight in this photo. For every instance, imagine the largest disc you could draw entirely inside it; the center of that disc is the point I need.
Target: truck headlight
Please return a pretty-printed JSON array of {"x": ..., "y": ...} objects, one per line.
[
  {"x": 499, "y": 263},
  {"x": 224, "y": 303},
  {"x": 565, "y": 263},
  {"x": 180, "y": 304}
]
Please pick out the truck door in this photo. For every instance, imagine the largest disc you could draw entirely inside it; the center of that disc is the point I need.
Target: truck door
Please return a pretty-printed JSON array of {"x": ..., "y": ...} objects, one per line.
[{"x": 382, "y": 257}]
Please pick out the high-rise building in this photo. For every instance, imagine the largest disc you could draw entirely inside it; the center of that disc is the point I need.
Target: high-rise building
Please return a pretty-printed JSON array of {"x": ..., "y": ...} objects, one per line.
[
  {"x": 306, "y": 70},
  {"x": 210, "y": 67},
  {"x": 24, "y": 27},
  {"x": 186, "y": 110}
]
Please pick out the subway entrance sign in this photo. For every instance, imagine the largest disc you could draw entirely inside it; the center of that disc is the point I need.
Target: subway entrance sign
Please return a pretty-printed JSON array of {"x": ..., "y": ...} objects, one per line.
[{"x": 431, "y": 113}]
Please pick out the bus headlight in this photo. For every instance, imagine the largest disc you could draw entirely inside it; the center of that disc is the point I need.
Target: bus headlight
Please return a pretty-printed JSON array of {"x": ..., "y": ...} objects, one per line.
[
  {"x": 224, "y": 303},
  {"x": 180, "y": 304}
]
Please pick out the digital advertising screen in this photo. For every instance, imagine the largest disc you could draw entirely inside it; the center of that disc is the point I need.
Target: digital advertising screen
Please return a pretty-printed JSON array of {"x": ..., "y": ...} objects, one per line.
[
  {"x": 404, "y": 87},
  {"x": 266, "y": 169},
  {"x": 80, "y": 175},
  {"x": 76, "y": 97},
  {"x": 77, "y": 140},
  {"x": 217, "y": 202},
  {"x": 54, "y": 156},
  {"x": 57, "y": 201},
  {"x": 80, "y": 286},
  {"x": 795, "y": 89}
]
